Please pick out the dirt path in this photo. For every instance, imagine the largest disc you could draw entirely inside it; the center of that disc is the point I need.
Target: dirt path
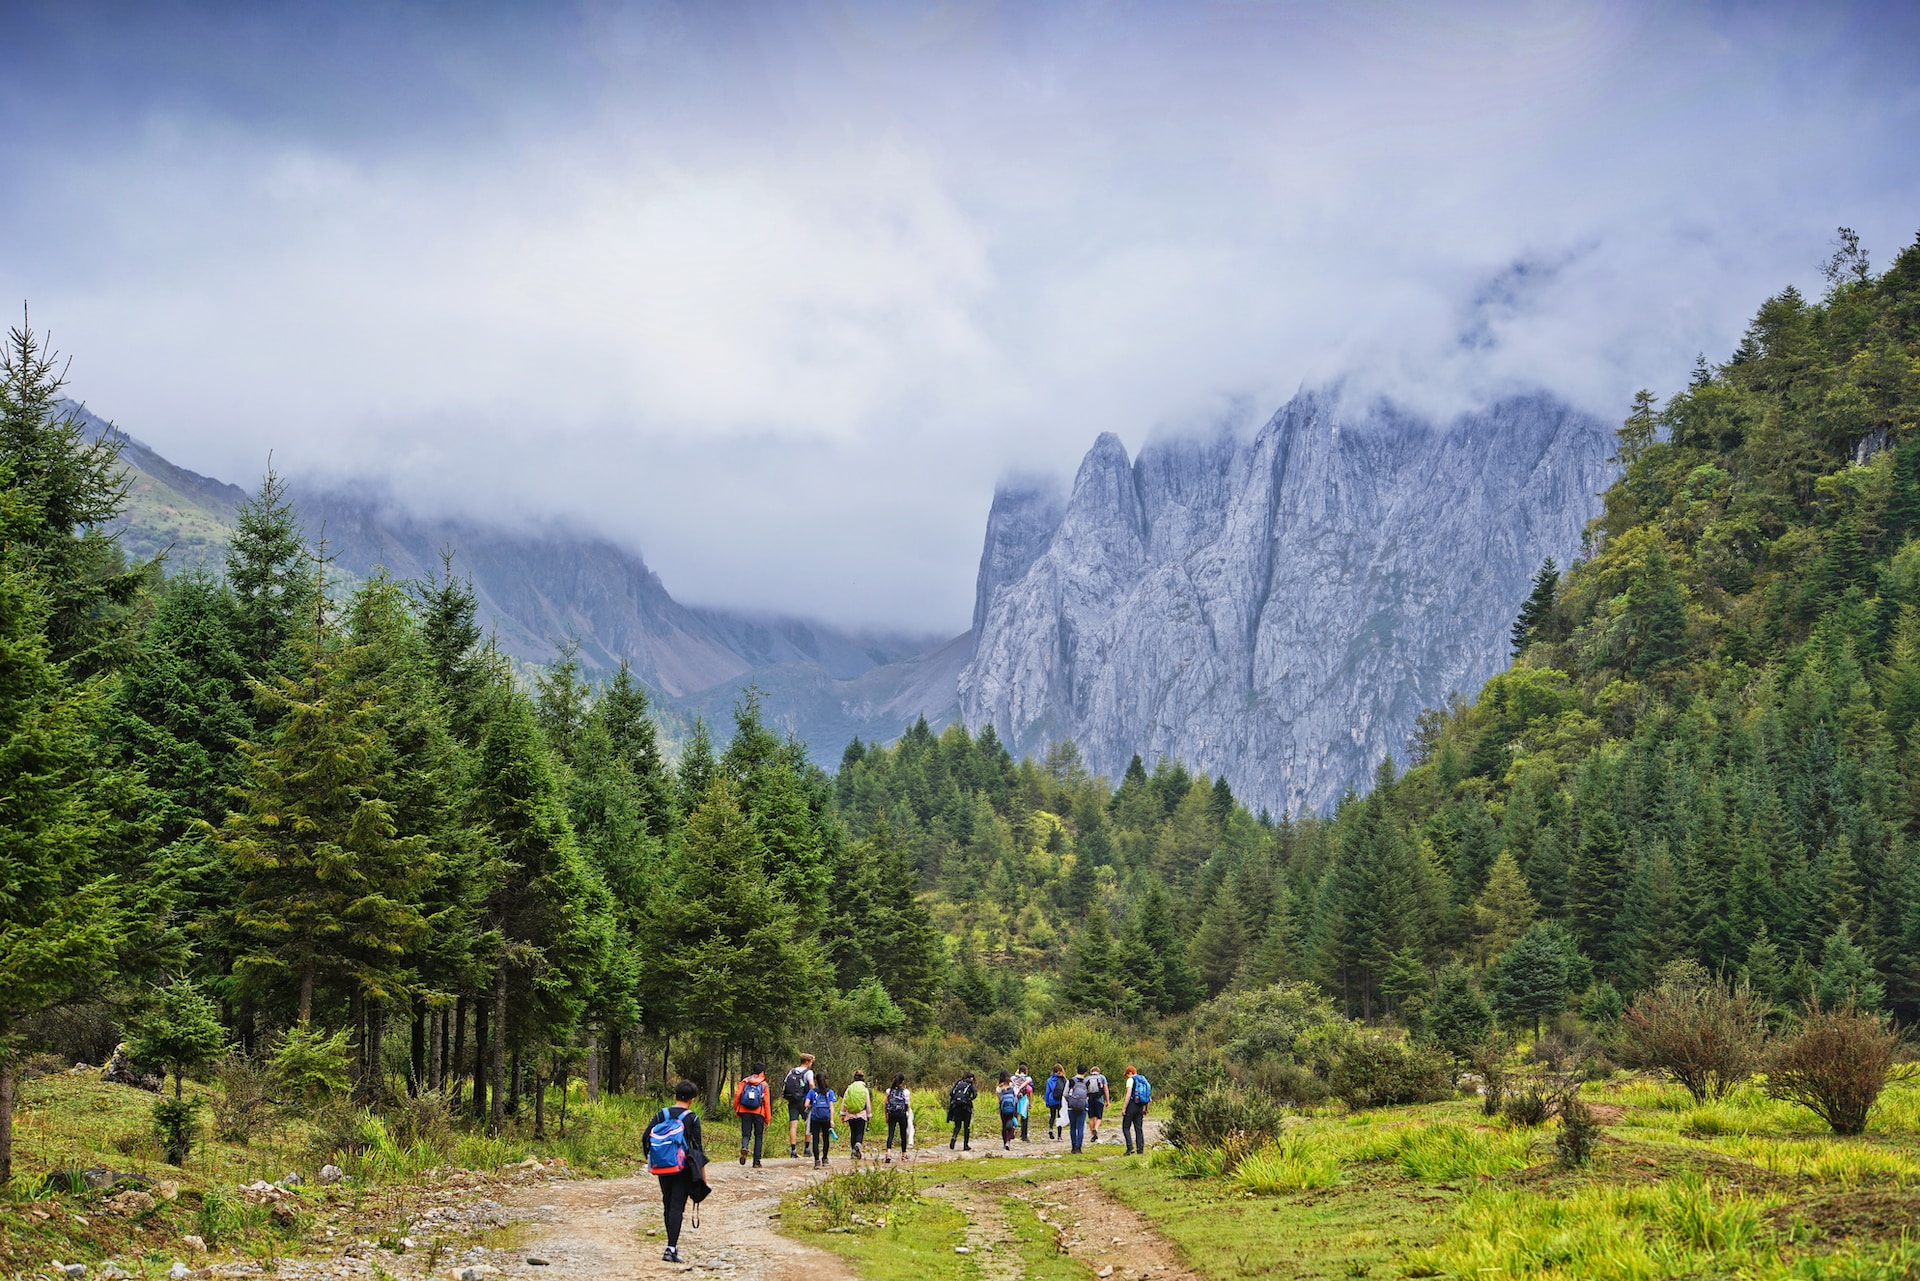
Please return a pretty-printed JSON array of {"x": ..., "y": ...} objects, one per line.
[
  {"x": 608, "y": 1228},
  {"x": 988, "y": 1238},
  {"x": 1114, "y": 1241}
]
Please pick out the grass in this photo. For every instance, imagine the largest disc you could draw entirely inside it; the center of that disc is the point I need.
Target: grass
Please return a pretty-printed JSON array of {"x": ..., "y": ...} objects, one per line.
[
  {"x": 1041, "y": 1255},
  {"x": 1448, "y": 1150},
  {"x": 911, "y": 1239}
]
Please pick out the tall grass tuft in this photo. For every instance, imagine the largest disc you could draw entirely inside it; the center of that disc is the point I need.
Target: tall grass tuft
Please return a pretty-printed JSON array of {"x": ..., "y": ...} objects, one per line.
[
  {"x": 1448, "y": 1150},
  {"x": 1292, "y": 1164}
]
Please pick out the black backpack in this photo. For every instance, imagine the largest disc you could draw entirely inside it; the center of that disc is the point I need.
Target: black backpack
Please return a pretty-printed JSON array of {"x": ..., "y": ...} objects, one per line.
[
  {"x": 963, "y": 1092},
  {"x": 897, "y": 1107},
  {"x": 794, "y": 1088}
]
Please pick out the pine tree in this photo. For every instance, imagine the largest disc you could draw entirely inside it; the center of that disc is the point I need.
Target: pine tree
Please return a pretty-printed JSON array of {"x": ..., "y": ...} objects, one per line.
[
  {"x": 1219, "y": 945},
  {"x": 1537, "y": 975},
  {"x": 451, "y": 634},
  {"x": 59, "y": 916},
  {"x": 1176, "y": 988},
  {"x": 1538, "y": 607},
  {"x": 725, "y": 960},
  {"x": 275, "y": 584},
  {"x": 907, "y": 958},
  {"x": 1845, "y": 977},
  {"x": 1094, "y": 982},
  {"x": 635, "y": 739},
  {"x": 696, "y": 772},
  {"x": 1503, "y": 911},
  {"x": 562, "y": 702},
  {"x": 1458, "y": 1021}
]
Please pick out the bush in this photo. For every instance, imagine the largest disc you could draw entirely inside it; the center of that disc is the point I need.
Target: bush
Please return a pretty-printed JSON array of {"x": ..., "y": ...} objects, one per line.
[
  {"x": 176, "y": 1125},
  {"x": 244, "y": 1104},
  {"x": 1530, "y": 1108},
  {"x": 1489, "y": 1062},
  {"x": 424, "y": 1120},
  {"x": 1707, "y": 1033},
  {"x": 1836, "y": 1066},
  {"x": 1254, "y": 1027},
  {"x": 1364, "y": 1069},
  {"x": 1219, "y": 1111},
  {"x": 1073, "y": 1042},
  {"x": 1579, "y": 1131},
  {"x": 309, "y": 1065}
]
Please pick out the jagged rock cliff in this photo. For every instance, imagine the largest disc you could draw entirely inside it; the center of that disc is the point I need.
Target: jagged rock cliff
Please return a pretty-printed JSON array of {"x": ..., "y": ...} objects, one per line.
[{"x": 1275, "y": 610}]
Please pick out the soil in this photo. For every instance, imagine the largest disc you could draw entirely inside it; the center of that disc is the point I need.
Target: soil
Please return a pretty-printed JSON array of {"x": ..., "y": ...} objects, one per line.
[{"x": 1104, "y": 1234}]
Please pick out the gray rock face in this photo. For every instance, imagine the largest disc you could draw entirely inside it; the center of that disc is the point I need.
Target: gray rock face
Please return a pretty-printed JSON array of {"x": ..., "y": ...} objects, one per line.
[{"x": 1275, "y": 610}]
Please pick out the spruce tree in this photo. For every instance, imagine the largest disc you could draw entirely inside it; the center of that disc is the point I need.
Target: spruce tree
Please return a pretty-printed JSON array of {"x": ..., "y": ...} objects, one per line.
[
  {"x": 1538, "y": 607},
  {"x": 907, "y": 957},
  {"x": 275, "y": 583},
  {"x": 1219, "y": 946},
  {"x": 695, "y": 775},
  {"x": 1503, "y": 911},
  {"x": 1094, "y": 982}
]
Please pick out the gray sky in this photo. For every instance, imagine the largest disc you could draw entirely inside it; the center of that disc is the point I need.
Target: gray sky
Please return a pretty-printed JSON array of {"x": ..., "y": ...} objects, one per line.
[{"x": 777, "y": 293}]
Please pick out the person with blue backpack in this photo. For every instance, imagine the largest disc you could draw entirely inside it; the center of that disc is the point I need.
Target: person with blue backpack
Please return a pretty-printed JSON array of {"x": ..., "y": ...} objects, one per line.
[
  {"x": 1054, "y": 1095},
  {"x": 1009, "y": 1095},
  {"x": 1133, "y": 1117},
  {"x": 673, "y": 1152},
  {"x": 820, "y": 1101},
  {"x": 753, "y": 1104}
]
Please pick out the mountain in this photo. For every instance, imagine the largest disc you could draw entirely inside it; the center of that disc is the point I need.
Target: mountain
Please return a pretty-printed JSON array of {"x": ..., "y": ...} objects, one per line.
[
  {"x": 1277, "y": 610},
  {"x": 537, "y": 585}
]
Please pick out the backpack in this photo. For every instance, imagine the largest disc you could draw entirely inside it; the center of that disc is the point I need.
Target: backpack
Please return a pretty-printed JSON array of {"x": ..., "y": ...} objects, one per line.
[
  {"x": 752, "y": 1095},
  {"x": 1142, "y": 1089},
  {"x": 1009, "y": 1102},
  {"x": 822, "y": 1106},
  {"x": 1077, "y": 1094},
  {"x": 962, "y": 1092},
  {"x": 1053, "y": 1090},
  {"x": 897, "y": 1106},
  {"x": 667, "y": 1144},
  {"x": 794, "y": 1088}
]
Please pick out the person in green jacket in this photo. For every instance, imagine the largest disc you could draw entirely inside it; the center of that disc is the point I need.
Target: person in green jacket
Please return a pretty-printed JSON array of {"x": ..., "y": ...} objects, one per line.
[{"x": 856, "y": 1109}]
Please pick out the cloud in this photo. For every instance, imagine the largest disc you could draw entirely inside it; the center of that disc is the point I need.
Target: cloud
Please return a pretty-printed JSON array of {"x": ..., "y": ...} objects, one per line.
[{"x": 777, "y": 293}]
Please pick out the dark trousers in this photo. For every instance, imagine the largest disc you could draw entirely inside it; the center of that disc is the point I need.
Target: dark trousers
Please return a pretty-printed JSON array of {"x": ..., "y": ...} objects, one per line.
[
  {"x": 753, "y": 1131},
  {"x": 1133, "y": 1128},
  {"x": 897, "y": 1123},
  {"x": 1053, "y": 1121},
  {"x": 962, "y": 1127},
  {"x": 1009, "y": 1126},
  {"x": 673, "y": 1195},
  {"x": 856, "y": 1132},
  {"x": 1023, "y": 1122},
  {"x": 820, "y": 1135}
]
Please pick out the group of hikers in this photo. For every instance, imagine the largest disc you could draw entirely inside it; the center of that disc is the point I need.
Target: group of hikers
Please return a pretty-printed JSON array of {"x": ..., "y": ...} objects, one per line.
[{"x": 674, "y": 1151}]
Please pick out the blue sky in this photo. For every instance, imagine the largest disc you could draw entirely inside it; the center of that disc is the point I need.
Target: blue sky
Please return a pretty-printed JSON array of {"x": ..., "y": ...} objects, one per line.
[{"x": 777, "y": 292}]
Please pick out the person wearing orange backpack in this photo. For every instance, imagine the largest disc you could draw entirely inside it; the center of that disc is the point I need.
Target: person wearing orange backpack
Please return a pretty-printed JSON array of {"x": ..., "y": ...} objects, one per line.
[{"x": 753, "y": 1105}]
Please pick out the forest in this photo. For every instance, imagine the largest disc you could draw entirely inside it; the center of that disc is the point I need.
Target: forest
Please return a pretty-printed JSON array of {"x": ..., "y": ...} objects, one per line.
[{"x": 259, "y": 813}]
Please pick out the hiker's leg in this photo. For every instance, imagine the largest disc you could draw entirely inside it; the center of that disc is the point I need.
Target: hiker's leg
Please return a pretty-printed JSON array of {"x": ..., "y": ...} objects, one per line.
[{"x": 673, "y": 1198}]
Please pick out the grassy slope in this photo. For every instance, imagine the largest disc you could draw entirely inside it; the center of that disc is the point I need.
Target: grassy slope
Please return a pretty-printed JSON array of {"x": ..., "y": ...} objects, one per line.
[{"x": 1747, "y": 1186}]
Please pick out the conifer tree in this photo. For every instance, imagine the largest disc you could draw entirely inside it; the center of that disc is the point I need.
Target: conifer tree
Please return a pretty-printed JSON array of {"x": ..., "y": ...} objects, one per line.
[
  {"x": 907, "y": 959},
  {"x": 275, "y": 583},
  {"x": 1094, "y": 982},
  {"x": 562, "y": 702},
  {"x": 1219, "y": 945},
  {"x": 1845, "y": 977},
  {"x": 696, "y": 771},
  {"x": 1537, "y": 975},
  {"x": 635, "y": 740},
  {"x": 1503, "y": 911},
  {"x": 1538, "y": 607}
]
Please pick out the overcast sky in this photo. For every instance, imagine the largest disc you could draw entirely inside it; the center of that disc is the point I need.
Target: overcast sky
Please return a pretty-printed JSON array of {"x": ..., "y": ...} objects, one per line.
[{"x": 776, "y": 293}]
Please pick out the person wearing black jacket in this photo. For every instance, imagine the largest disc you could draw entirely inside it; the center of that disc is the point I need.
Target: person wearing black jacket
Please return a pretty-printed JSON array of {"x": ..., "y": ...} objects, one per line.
[
  {"x": 960, "y": 1111},
  {"x": 676, "y": 1189}
]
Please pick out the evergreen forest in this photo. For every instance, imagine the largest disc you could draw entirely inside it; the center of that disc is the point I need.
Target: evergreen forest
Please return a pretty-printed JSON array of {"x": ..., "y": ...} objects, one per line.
[{"x": 337, "y": 824}]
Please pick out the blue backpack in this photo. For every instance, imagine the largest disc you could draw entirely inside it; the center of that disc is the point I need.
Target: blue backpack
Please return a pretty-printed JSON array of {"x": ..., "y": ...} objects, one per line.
[
  {"x": 1142, "y": 1088},
  {"x": 1054, "y": 1084},
  {"x": 1009, "y": 1102},
  {"x": 752, "y": 1095},
  {"x": 667, "y": 1144},
  {"x": 822, "y": 1109}
]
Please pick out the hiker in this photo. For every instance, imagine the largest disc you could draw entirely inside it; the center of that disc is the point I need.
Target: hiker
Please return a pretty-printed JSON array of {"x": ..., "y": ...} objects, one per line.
[
  {"x": 1023, "y": 1086},
  {"x": 1133, "y": 1117},
  {"x": 899, "y": 1113},
  {"x": 794, "y": 1090},
  {"x": 856, "y": 1109},
  {"x": 1053, "y": 1097},
  {"x": 1098, "y": 1096},
  {"x": 672, "y": 1148},
  {"x": 753, "y": 1105},
  {"x": 820, "y": 1101},
  {"x": 960, "y": 1111},
  {"x": 1009, "y": 1111},
  {"x": 1077, "y": 1096}
]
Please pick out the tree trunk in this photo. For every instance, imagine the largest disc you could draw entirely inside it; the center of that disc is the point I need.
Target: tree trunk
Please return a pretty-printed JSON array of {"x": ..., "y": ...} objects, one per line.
[
  {"x": 716, "y": 1069},
  {"x": 496, "y": 1116},
  {"x": 539, "y": 1106},
  {"x": 417, "y": 1056},
  {"x": 457, "y": 1058},
  {"x": 513, "y": 1095},
  {"x": 6, "y": 1118},
  {"x": 376, "y": 1053},
  {"x": 357, "y": 1064},
  {"x": 593, "y": 1067},
  {"x": 616, "y": 1066},
  {"x": 436, "y": 1044},
  {"x": 306, "y": 993},
  {"x": 482, "y": 1059}
]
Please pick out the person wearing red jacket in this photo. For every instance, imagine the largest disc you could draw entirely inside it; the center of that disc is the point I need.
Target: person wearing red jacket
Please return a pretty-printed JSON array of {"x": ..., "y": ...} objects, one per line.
[{"x": 753, "y": 1105}]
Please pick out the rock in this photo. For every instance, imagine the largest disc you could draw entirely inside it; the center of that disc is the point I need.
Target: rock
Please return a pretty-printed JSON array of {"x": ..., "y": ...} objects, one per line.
[
  {"x": 535, "y": 1261},
  {"x": 195, "y": 1243},
  {"x": 128, "y": 1204},
  {"x": 283, "y": 1215},
  {"x": 70, "y": 1269},
  {"x": 166, "y": 1190},
  {"x": 1106, "y": 1271},
  {"x": 963, "y": 1249},
  {"x": 1274, "y": 610},
  {"x": 178, "y": 1272},
  {"x": 293, "y": 1180},
  {"x": 476, "y": 1272},
  {"x": 330, "y": 1174},
  {"x": 121, "y": 1070}
]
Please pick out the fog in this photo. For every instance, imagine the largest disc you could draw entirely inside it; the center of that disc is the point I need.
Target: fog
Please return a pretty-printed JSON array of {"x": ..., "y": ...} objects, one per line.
[{"x": 776, "y": 293}]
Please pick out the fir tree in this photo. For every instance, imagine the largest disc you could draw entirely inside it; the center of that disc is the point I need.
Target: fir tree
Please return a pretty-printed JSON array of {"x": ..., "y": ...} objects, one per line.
[
  {"x": 1537, "y": 975},
  {"x": 1503, "y": 911},
  {"x": 1845, "y": 978},
  {"x": 1094, "y": 982},
  {"x": 1537, "y": 609},
  {"x": 274, "y": 580}
]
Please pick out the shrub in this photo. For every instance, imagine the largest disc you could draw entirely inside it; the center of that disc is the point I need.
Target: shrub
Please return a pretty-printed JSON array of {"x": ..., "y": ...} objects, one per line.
[
  {"x": 423, "y": 1120},
  {"x": 870, "y": 1185},
  {"x": 180, "y": 1028},
  {"x": 244, "y": 1103},
  {"x": 1530, "y": 1108},
  {"x": 1579, "y": 1131},
  {"x": 175, "y": 1124},
  {"x": 1365, "y": 1069},
  {"x": 1836, "y": 1066},
  {"x": 1489, "y": 1063},
  {"x": 310, "y": 1065},
  {"x": 1292, "y": 1165},
  {"x": 1707, "y": 1033},
  {"x": 1072, "y": 1042},
  {"x": 1219, "y": 1111},
  {"x": 1265, "y": 1024}
]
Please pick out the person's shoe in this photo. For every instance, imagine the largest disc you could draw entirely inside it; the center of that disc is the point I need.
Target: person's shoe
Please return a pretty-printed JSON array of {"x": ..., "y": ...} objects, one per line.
[
  {"x": 756, "y": 1163},
  {"x": 743, "y": 1156},
  {"x": 671, "y": 1256},
  {"x": 966, "y": 1147},
  {"x": 949, "y": 1145},
  {"x": 792, "y": 1151}
]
